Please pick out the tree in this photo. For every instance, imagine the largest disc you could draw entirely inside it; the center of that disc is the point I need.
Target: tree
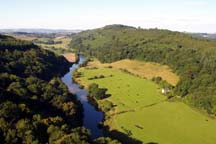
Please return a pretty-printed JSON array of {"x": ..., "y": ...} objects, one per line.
[
  {"x": 96, "y": 92},
  {"x": 17, "y": 88},
  {"x": 55, "y": 133},
  {"x": 25, "y": 130},
  {"x": 10, "y": 111},
  {"x": 105, "y": 140},
  {"x": 69, "y": 108}
]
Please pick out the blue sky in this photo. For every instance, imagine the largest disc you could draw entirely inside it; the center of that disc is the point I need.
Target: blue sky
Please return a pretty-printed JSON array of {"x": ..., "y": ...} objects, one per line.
[{"x": 180, "y": 15}]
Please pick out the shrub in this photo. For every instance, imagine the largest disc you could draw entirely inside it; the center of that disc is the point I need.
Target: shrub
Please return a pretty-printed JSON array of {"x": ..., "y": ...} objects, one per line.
[
  {"x": 96, "y": 92},
  {"x": 106, "y": 106}
]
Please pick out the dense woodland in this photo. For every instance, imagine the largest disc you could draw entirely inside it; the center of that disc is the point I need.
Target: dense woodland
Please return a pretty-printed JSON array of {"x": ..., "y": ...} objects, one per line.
[
  {"x": 193, "y": 59},
  {"x": 35, "y": 105}
]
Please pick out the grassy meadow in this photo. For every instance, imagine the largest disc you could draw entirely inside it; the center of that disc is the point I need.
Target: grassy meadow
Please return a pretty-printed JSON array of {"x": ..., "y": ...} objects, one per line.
[
  {"x": 142, "y": 112},
  {"x": 65, "y": 41},
  {"x": 24, "y": 37},
  {"x": 143, "y": 69},
  {"x": 58, "y": 48}
]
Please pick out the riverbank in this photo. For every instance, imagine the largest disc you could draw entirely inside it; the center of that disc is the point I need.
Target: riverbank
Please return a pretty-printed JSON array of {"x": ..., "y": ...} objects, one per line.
[
  {"x": 107, "y": 131},
  {"x": 91, "y": 117}
]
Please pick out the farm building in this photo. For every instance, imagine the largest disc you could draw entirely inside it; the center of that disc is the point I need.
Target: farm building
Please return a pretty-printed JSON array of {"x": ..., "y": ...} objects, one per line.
[{"x": 165, "y": 90}]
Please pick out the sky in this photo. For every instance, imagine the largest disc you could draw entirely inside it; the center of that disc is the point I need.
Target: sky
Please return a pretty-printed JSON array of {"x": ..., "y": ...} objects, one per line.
[{"x": 177, "y": 15}]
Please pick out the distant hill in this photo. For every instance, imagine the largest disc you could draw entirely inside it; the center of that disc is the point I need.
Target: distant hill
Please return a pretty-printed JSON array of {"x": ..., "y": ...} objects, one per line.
[
  {"x": 118, "y": 26},
  {"x": 204, "y": 35},
  {"x": 192, "y": 58},
  {"x": 129, "y": 40},
  {"x": 46, "y": 31}
]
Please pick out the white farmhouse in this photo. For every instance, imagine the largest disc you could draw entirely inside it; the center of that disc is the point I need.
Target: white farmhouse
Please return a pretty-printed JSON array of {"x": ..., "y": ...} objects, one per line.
[{"x": 165, "y": 90}]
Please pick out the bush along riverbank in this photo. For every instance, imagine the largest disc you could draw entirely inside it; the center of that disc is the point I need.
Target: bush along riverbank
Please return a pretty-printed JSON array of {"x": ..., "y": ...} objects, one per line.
[{"x": 91, "y": 115}]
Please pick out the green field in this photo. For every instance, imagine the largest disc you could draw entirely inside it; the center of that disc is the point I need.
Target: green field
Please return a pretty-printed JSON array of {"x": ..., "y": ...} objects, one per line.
[
  {"x": 143, "y": 69},
  {"x": 58, "y": 48},
  {"x": 64, "y": 42},
  {"x": 144, "y": 112}
]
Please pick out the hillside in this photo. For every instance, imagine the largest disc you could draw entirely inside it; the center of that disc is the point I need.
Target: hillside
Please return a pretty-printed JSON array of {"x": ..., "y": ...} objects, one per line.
[
  {"x": 35, "y": 105},
  {"x": 193, "y": 59}
]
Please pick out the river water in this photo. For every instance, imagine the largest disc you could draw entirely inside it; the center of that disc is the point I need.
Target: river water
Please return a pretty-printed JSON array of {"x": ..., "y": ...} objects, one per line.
[{"x": 91, "y": 116}]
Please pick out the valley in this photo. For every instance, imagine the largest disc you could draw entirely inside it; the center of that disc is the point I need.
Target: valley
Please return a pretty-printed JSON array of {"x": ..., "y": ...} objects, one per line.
[
  {"x": 108, "y": 72},
  {"x": 134, "y": 86}
]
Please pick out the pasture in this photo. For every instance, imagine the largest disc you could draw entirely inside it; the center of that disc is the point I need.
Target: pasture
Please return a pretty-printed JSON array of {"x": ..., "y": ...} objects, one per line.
[
  {"x": 60, "y": 45},
  {"x": 142, "y": 112},
  {"x": 143, "y": 69},
  {"x": 64, "y": 42}
]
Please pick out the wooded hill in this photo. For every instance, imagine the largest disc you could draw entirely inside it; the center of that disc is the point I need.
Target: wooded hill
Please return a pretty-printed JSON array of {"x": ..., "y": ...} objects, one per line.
[
  {"x": 193, "y": 59},
  {"x": 35, "y": 105}
]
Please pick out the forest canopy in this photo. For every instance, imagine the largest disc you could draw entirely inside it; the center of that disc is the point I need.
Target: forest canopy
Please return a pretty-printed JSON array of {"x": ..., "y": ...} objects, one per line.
[{"x": 35, "y": 105}]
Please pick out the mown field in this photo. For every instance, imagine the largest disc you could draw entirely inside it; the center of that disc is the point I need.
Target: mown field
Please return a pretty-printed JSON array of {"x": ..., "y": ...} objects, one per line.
[
  {"x": 143, "y": 69},
  {"x": 142, "y": 112}
]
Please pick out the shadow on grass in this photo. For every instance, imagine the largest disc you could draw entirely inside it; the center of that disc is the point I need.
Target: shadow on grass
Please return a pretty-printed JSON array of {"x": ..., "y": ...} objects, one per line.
[{"x": 122, "y": 137}]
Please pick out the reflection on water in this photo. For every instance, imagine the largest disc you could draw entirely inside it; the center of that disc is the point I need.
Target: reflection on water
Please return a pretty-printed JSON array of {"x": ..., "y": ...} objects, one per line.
[{"x": 91, "y": 116}]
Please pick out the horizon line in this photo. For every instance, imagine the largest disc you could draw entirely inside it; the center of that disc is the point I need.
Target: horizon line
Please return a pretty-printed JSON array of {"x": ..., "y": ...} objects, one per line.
[{"x": 79, "y": 29}]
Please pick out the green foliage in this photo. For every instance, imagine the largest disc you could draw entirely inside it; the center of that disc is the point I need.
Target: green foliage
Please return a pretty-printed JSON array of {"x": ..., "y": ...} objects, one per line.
[
  {"x": 76, "y": 74},
  {"x": 193, "y": 59},
  {"x": 164, "y": 85},
  {"x": 17, "y": 88},
  {"x": 48, "y": 41},
  {"x": 77, "y": 136},
  {"x": 35, "y": 105},
  {"x": 96, "y": 92},
  {"x": 30, "y": 61},
  {"x": 11, "y": 43},
  {"x": 9, "y": 110},
  {"x": 105, "y": 140},
  {"x": 106, "y": 106}
]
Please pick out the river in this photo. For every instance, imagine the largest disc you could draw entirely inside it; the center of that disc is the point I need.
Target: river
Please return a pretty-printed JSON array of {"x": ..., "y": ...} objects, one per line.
[{"x": 91, "y": 116}]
